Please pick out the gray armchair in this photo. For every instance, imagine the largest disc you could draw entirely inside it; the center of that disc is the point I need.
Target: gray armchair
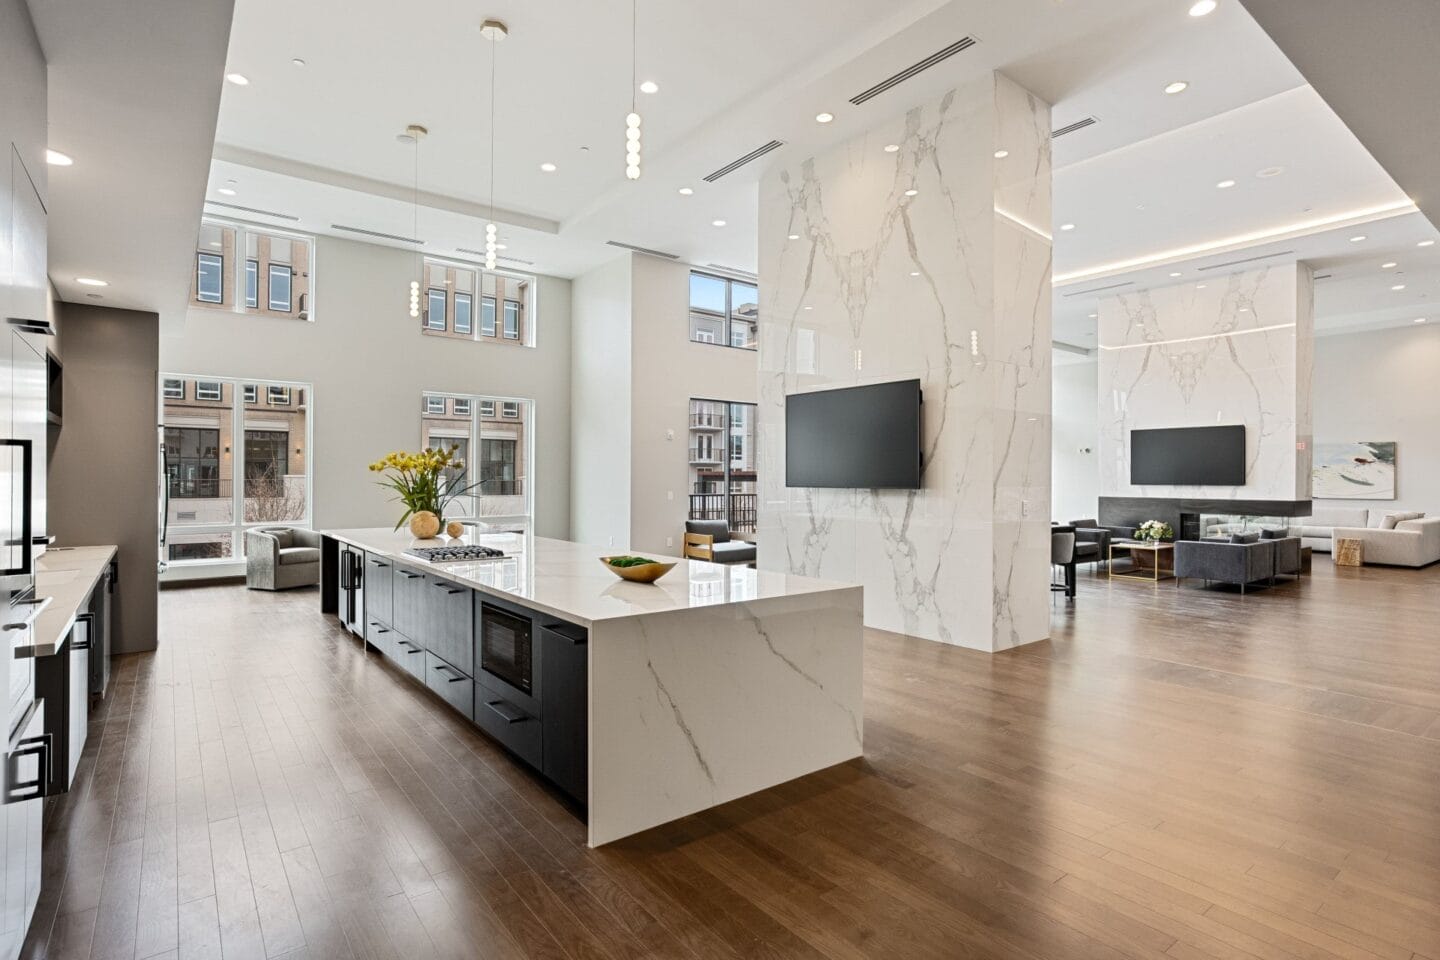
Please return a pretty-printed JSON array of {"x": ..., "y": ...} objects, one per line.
[
  {"x": 1287, "y": 553},
  {"x": 1225, "y": 562},
  {"x": 710, "y": 540},
  {"x": 1089, "y": 531},
  {"x": 278, "y": 558}
]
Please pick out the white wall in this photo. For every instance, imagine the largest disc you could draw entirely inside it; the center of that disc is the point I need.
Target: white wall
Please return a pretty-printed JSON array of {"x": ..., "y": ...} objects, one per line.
[
  {"x": 1385, "y": 385},
  {"x": 600, "y": 372},
  {"x": 1075, "y": 475},
  {"x": 369, "y": 364}
]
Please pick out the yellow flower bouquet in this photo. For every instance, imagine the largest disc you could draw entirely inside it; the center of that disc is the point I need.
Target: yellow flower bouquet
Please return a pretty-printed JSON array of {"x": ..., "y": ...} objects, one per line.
[{"x": 425, "y": 481}]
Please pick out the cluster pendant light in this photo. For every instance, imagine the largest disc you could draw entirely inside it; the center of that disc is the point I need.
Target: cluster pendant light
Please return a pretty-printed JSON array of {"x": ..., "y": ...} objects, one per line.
[
  {"x": 494, "y": 31},
  {"x": 414, "y": 133},
  {"x": 632, "y": 119}
]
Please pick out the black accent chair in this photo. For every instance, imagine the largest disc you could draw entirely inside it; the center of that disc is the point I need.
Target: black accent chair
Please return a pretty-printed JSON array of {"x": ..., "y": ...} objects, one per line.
[
  {"x": 1062, "y": 555},
  {"x": 1089, "y": 530}
]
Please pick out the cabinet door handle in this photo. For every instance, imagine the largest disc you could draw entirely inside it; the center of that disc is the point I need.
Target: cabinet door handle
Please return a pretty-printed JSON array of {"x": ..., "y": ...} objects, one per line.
[
  {"x": 510, "y": 715},
  {"x": 449, "y": 589},
  {"x": 409, "y": 576},
  {"x": 380, "y": 563},
  {"x": 410, "y": 647},
  {"x": 442, "y": 668},
  {"x": 378, "y": 628}
]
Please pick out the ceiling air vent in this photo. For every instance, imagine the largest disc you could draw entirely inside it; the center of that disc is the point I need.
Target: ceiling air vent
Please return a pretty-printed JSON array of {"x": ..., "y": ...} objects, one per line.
[
  {"x": 735, "y": 271},
  {"x": 1236, "y": 263},
  {"x": 499, "y": 257},
  {"x": 1086, "y": 293},
  {"x": 377, "y": 234},
  {"x": 1072, "y": 127},
  {"x": 523, "y": 263},
  {"x": 644, "y": 250},
  {"x": 965, "y": 43},
  {"x": 244, "y": 209},
  {"x": 739, "y": 162}
]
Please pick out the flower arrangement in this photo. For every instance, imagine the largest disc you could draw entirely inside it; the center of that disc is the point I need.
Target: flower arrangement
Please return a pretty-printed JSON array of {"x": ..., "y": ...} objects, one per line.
[
  {"x": 421, "y": 481},
  {"x": 1154, "y": 530}
]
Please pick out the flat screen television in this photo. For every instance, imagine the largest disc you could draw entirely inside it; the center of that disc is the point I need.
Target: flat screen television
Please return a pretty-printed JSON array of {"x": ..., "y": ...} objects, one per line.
[
  {"x": 855, "y": 437},
  {"x": 1188, "y": 456}
]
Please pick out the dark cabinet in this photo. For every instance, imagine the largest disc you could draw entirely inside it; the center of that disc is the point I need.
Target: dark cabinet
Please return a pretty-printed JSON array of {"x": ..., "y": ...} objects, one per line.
[
  {"x": 408, "y": 603},
  {"x": 452, "y": 686},
  {"x": 514, "y": 728},
  {"x": 352, "y": 589},
  {"x": 101, "y": 601},
  {"x": 411, "y": 656},
  {"x": 449, "y": 623},
  {"x": 379, "y": 595},
  {"x": 381, "y": 637},
  {"x": 564, "y": 670}
]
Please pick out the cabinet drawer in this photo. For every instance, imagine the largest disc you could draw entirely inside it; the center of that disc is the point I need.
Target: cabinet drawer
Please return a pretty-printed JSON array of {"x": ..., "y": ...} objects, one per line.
[
  {"x": 379, "y": 596},
  {"x": 452, "y": 686},
  {"x": 408, "y": 603},
  {"x": 381, "y": 637},
  {"x": 449, "y": 621},
  {"x": 513, "y": 727},
  {"x": 410, "y": 656}
]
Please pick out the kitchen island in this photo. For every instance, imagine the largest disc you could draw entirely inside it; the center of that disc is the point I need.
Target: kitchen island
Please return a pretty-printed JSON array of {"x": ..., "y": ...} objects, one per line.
[{"x": 643, "y": 702}]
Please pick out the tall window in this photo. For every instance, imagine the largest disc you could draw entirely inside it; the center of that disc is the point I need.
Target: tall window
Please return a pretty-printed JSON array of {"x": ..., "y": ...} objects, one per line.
[
  {"x": 249, "y": 270},
  {"x": 487, "y": 316},
  {"x": 512, "y": 320},
  {"x": 435, "y": 309},
  {"x": 493, "y": 436},
  {"x": 505, "y": 303},
  {"x": 722, "y": 463},
  {"x": 209, "y": 274},
  {"x": 723, "y": 311},
  {"x": 280, "y": 287},
  {"x": 252, "y": 283},
  {"x": 462, "y": 313},
  {"x": 230, "y": 466},
  {"x": 497, "y": 467}
]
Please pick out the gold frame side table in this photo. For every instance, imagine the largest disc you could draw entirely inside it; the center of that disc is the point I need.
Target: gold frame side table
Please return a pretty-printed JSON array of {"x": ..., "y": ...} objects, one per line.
[{"x": 1159, "y": 551}]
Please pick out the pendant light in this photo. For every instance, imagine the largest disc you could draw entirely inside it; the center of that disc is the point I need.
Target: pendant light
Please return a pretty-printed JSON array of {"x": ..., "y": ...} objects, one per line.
[
  {"x": 413, "y": 134},
  {"x": 632, "y": 119},
  {"x": 494, "y": 31}
]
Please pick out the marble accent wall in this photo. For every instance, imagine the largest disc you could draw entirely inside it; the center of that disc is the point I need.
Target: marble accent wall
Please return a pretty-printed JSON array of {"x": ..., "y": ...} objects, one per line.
[
  {"x": 932, "y": 262},
  {"x": 1225, "y": 350}
]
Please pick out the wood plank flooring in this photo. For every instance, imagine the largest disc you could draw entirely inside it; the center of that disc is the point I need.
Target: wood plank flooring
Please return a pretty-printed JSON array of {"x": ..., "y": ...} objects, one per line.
[{"x": 1181, "y": 774}]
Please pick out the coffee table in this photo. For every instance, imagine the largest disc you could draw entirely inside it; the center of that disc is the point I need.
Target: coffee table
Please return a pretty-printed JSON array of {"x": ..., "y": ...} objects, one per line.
[{"x": 1150, "y": 561}]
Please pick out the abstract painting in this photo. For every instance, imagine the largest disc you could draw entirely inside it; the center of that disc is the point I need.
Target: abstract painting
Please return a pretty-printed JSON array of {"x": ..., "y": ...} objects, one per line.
[{"x": 1363, "y": 470}]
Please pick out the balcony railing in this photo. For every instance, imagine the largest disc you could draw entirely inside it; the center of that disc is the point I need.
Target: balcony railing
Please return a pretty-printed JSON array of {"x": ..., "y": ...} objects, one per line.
[{"x": 738, "y": 508}]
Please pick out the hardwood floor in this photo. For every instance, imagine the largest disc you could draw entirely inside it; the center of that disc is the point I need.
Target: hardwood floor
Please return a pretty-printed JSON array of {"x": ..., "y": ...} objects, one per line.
[{"x": 1183, "y": 774}]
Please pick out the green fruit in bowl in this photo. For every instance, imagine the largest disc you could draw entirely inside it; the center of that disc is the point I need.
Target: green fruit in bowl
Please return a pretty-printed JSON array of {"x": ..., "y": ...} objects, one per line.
[{"x": 629, "y": 561}]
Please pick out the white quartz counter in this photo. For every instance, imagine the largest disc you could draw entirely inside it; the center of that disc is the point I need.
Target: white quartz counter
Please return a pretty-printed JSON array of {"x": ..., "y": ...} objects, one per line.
[
  {"x": 569, "y": 581},
  {"x": 66, "y": 575}
]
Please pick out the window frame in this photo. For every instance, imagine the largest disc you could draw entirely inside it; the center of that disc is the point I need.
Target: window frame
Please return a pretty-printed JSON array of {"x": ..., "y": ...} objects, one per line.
[
  {"x": 726, "y": 318},
  {"x": 200, "y": 390},
  {"x": 252, "y": 283},
  {"x": 429, "y": 398},
  {"x": 494, "y": 331},
  {"x": 506, "y": 315},
  {"x": 250, "y": 393},
  {"x": 518, "y": 431},
  {"x": 510, "y": 409},
  {"x": 165, "y": 386},
  {"x": 200, "y": 257},
  {"x": 455, "y": 406},
  {"x": 431, "y": 294},
  {"x": 487, "y": 409},
  {"x": 468, "y": 299},
  {"x": 289, "y": 274},
  {"x": 235, "y": 271},
  {"x": 271, "y": 395}
]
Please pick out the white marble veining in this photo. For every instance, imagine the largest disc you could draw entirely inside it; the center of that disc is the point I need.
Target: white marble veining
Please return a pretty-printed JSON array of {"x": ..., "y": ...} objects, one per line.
[
  {"x": 950, "y": 284},
  {"x": 1233, "y": 349}
]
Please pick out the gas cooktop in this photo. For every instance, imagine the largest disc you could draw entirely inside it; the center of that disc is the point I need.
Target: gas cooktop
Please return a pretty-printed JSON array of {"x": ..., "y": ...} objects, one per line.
[{"x": 458, "y": 552}]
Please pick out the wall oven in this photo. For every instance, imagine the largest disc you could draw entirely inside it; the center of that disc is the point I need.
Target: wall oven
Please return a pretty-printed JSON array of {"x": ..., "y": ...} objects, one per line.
[{"x": 507, "y": 651}]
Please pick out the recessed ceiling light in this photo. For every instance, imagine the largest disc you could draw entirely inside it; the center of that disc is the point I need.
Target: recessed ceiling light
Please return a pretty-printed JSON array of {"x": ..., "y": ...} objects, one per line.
[
  {"x": 809, "y": 308},
  {"x": 225, "y": 191},
  {"x": 1175, "y": 273},
  {"x": 239, "y": 79},
  {"x": 1001, "y": 154},
  {"x": 1225, "y": 184},
  {"x": 1199, "y": 286},
  {"x": 1388, "y": 266},
  {"x": 1202, "y": 7},
  {"x": 91, "y": 282},
  {"x": 1426, "y": 243},
  {"x": 1093, "y": 315},
  {"x": 298, "y": 62},
  {"x": 57, "y": 159},
  {"x": 1244, "y": 309},
  {"x": 1419, "y": 319},
  {"x": 1177, "y": 87},
  {"x": 717, "y": 223},
  {"x": 1067, "y": 226},
  {"x": 914, "y": 273},
  {"x": 793, "y": 236},
  {"x": 1358, "y": 237},
  {"x": 498, "y": 246},
  {"x": 824, "y": 117},
  {"x": 547, "y": 167},
  {"x": 1269, "y": 172},
  {"x": 686, "y": 191},
  {"x": 1398, "y": 286},
  {"x": 649, "y": 86},
  {"x": 911, "y": 192},
  {"x": 891, "y": 147}
]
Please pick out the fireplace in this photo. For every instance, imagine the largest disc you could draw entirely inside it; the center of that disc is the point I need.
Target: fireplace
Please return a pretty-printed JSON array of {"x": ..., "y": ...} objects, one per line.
[{"x": 1197, "y": 518}]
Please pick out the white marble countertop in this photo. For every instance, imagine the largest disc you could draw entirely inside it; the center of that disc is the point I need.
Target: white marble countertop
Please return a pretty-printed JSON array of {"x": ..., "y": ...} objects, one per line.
[
  {"x": 66, "y": 575},
  {"x": 568, "y": 580}
]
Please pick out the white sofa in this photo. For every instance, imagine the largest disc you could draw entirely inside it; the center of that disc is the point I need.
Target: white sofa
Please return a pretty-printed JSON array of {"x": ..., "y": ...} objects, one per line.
[{"x": 1388, "y": 539}]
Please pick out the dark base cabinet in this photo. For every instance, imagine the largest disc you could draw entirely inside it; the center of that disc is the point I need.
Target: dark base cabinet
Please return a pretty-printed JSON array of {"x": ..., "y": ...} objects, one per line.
[{"x": 564, "y": 668}]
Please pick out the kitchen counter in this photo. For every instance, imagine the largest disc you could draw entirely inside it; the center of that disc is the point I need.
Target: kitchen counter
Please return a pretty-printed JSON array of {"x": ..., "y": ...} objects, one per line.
[{"x": 66, "y": 575}]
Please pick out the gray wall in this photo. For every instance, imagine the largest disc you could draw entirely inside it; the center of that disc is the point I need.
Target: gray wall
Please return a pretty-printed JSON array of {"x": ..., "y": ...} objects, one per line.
[
  {"x": 369, "y": 364},
  {"x": 104, "y": 478}
]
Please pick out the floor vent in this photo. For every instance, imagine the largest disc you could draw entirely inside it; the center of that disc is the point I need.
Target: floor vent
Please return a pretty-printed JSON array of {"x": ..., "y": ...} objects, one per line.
[
  {"x": 1236, "y": 263},
  {"x": 736, "y": 164},
  {"x": 964, "y": 43},
  {"x": 1072, "y": 127},
  {"x": 1086, "y": 293},
  {"x": 645, "y": 250},
  {"x": 243, "y": 209},
  {"x": 377, "y": 234}
]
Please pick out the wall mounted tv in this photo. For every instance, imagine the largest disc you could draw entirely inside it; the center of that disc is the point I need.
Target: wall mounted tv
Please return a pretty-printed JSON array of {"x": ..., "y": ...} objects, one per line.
[
  {"x": 855, "y": 437},
  {"x": 1188, "y": 456}
]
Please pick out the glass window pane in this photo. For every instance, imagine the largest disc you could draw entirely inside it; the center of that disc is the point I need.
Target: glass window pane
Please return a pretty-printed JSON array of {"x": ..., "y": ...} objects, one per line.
[
  {"x": 252, "y": 283},
  {"x": 174, "y": 389},
  {"x": 279, "y": 287},
  {"x": 209, "y": 273},
  {"x": 435, "y": 309},
  {"x": 272, "y": 459},
  {"x": 462, "y": 313},
  {"x": 707, "y": 294},
  {"x": 487, "y": 316},
  {"x": 512, "y": 320}
]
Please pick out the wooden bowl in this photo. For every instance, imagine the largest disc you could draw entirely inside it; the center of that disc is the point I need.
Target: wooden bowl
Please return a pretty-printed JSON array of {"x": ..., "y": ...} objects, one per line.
[{"x": 644, "y": 573}]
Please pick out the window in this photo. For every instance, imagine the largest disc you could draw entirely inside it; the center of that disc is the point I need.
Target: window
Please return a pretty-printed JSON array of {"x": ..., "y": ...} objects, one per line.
[
  {"x": 487, "y": 408},
  {"x": 487, "y": 316},
  {"x": 207, "y": 390},
  {"x": 512, "y": 320},
  {"x": 277, "y": 396},
  {"x": 252, "y": 393},
  {"x": 252, "y": 283},
  {"x": 435, "y": 309},
  {"x": 724, "y": 311},
  {"x": 173, "y": 389},
  {"x": 267, "y": 461},
  {"x": 280, "y": 287},
  {"x": 462, "y": 313},
  {"x": 722, "y": 463},
  {"x": 435, "y": 406},
  {"x": 209, "y": 277},
  {"x": 509, "y": 410},
  {"x": 497, "y": 467},
  {"x": 462, "y": 408},
  {"x": 192, "y": 463},
  {"x": 494, "y": 449}
]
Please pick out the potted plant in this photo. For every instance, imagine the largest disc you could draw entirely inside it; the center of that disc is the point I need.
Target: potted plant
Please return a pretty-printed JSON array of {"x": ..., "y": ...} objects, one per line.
[
  {"x": 426, "y": 483},
  {"x": 1154, "y": 531}
]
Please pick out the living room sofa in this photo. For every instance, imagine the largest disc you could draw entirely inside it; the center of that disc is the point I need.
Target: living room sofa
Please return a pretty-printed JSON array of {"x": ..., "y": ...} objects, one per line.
[
  {"x": 1225, "y": 561},
  {"x": 1390, "y": 536}
]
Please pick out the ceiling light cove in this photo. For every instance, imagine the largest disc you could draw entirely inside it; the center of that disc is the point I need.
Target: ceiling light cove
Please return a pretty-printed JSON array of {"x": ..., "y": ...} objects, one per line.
[
  {"x": 649, "y": 86},
  {"x": 686, "y": 191},
  {"x": 824, "y": 117},
  {"x": 1224, "y": 184},
  {"x": 57, "y": 159},
  {"x": 547, "y": 167},
  {"x": 239, "y": 79},
  {"x": 92, "y": 282},
  {"x": 1202, "y": 8},
  {"x": 1179, "y": 86}
]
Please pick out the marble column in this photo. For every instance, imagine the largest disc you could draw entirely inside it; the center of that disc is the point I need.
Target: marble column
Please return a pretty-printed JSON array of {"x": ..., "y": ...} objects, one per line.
[{"x": 921, "y": 250}]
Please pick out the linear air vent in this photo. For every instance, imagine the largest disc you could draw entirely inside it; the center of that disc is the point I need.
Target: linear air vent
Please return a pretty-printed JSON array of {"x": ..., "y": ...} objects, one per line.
[
  {"x": 1322, "y": 276},
  {"x": 644, "y": 250},
  {"x": 523, "y": 263},
  {"x": 1064, "y": 347},
  {"x": 244, "y": 209},
  {"x": 736, "y": 271},
  {"x": 965, "y": 43},
  {"x": 1236, "y": 263},
  {"x": 498, "y": 258},
  {"x": 739, "y": 162},
  {"x": 1086, "y": 293},
  {"x": 1072, "y": 127},
  {"x": 377, "y": 234}
]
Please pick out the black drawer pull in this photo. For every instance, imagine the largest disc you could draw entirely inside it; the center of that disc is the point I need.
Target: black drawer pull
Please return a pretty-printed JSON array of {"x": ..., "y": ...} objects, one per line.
[
  {"x": 507, "y": 713},
  {"x": 411, "y": 647},
  {"x": 378, "y": 628},
  {"x": 80, "y": 646},
  {"x": 442, "y": 668},
  {"x": 447, "y": 587},
  {"x": 410, "y": 576},
  {"x": 379, "y": 563}
]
